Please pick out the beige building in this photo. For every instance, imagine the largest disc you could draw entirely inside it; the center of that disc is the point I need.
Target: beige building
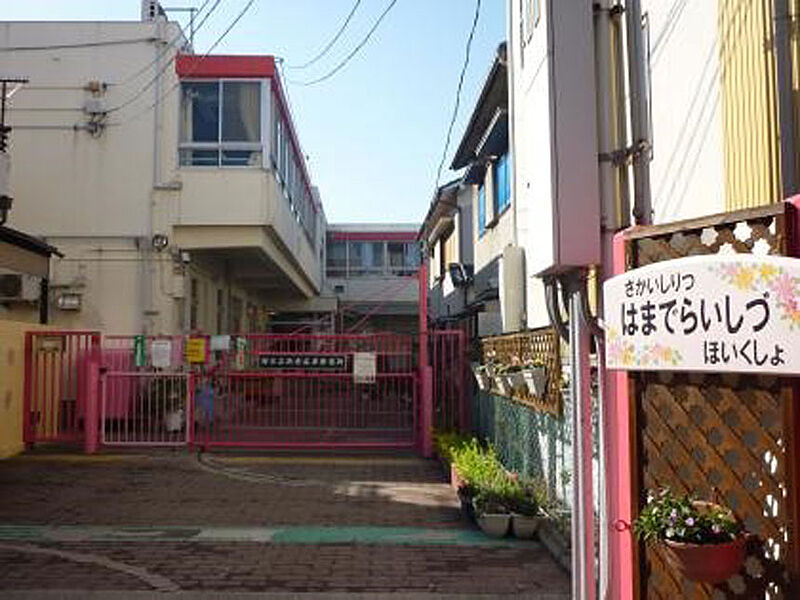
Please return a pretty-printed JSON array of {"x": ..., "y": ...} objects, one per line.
[
  {"x": 371, "y": 272},
  {"x": 173, "y": 183}
]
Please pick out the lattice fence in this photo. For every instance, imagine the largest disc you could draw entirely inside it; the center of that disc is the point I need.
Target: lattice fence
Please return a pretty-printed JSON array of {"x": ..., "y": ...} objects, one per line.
[
  {"x": 541, "y": 345},
  {"x": 723, "y": 437}
]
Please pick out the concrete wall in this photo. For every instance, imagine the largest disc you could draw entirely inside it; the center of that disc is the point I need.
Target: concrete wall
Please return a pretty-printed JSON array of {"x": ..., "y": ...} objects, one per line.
[
  {"x": 375, "y": 289},
  {"x": 12, "y": 375}
]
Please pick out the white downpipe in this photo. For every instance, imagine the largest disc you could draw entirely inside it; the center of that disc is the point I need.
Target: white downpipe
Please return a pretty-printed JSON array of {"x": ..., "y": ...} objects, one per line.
[{"x": 583, "y": 555}]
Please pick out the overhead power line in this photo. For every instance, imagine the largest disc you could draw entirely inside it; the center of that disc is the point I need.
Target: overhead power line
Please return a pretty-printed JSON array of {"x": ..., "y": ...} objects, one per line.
[
  {"x": 355, "y": 51},
  {"x": 160, "y": 72},
  {"x": 177, "y": 84},
  {"x": 330, "y": 44},
  {"x": 458, "y": 92}
]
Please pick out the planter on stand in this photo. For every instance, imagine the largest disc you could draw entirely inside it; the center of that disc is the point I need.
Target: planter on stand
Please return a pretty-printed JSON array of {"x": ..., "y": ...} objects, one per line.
[
  {"x": 482, "y": 376},
  {"x": 536, "y": 380}
]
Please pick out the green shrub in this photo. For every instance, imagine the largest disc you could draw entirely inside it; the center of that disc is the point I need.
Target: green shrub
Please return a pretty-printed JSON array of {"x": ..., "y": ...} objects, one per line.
[
  {"x": 448, "y": 442},
  {"x": 490, "y": 486}
]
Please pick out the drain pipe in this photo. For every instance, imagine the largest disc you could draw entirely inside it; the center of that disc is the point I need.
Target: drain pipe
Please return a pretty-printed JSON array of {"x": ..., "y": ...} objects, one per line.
[
  {"x": 583, "y": 548},
  {"x": 640, "y": 114}
]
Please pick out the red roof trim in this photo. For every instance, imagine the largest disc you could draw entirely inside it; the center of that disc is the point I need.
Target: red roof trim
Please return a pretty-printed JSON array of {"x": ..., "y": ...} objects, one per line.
[
  {"x": 373, "y": 236},
  {"x": 219, "y": 65}
]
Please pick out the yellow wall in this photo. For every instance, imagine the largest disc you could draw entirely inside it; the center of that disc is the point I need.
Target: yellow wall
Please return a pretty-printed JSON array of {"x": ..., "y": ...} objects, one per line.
[
  {"x": 750, "y": 116},
  {"x": 12, "y": 370}
]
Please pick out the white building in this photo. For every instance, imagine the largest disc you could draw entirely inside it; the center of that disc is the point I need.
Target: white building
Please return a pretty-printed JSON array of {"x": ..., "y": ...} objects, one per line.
[{"x": 173, "y": 183}]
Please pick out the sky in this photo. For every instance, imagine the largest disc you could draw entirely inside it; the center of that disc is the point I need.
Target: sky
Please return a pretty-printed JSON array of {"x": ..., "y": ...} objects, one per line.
[{"x": 375, "y": 131}]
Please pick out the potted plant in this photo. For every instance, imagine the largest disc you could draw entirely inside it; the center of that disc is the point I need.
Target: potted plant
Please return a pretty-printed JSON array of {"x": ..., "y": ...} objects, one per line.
[
  {"x": 483, "y": 375},
  {"x": 527, "y": 512},
  {"x": 447, "y": 444},
  {"x": 703, "y": 541},
  {"x": 508, "y": 378},
  {"x": 535, "y": 377},
  {"x": 491, "y": 513}
]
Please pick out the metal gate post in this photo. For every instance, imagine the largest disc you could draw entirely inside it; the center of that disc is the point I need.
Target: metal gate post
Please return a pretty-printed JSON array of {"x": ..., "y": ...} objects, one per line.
[
  {"x": 426, "y": 372},
  {"x": 27, "y": 402},
  {"x": 91, "y": 430}
]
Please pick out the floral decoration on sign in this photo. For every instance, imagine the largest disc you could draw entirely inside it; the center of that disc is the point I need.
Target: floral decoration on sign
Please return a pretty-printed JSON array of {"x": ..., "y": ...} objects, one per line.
[
  {"x": 783, "y": 287},
  {"x": 626, "y": 353}
]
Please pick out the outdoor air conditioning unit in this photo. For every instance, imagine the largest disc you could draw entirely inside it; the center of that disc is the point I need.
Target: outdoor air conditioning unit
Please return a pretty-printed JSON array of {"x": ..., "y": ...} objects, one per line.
[{"x": 19, "y": 288}]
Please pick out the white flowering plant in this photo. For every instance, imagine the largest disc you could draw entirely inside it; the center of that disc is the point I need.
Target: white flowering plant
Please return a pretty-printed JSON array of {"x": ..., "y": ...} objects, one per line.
[{"x": 668, "y": 517}]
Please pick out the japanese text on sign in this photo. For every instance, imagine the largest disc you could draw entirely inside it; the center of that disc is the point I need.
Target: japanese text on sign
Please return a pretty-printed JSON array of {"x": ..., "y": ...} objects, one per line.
[
  {"x": 319, "y": 362},
  {"x": 706, "y": 313}
]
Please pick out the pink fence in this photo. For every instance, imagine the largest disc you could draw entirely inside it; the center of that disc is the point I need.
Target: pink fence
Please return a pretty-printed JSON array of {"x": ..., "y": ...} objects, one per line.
[{"x": 59, "y": 382}]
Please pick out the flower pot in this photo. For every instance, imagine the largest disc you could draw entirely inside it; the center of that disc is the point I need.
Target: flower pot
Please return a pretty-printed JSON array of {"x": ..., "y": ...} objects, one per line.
[
  {"x": 482, "y": 376},
  {"x": 536, "y": 380},
  {"x": 467, "y": 505},
  {"x": 707, "y": 563},
  {"x": 456, "y": 481},
  {"x": 494, "y": 525},
  {"x": 484, "y": 381},
  {"x": 503, "y": 385},
  {"x": 525, "y": 527},
  {"x": 516, "y": 380}
]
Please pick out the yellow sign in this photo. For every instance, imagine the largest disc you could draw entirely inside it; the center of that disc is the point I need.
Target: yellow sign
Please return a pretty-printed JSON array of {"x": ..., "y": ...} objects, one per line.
[{"x": 195, "y": 350}]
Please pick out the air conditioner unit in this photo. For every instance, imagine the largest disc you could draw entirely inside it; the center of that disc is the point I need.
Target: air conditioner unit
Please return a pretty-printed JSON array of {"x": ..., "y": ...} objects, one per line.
[{"x": 19, "y": 288}]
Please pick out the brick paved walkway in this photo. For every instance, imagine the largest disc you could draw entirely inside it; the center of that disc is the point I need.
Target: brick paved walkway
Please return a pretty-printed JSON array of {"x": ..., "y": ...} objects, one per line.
[{"x": 230, "y": 497}]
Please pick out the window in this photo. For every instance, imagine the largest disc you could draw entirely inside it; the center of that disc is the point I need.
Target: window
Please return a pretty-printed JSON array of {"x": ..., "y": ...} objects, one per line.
[
  {"x": 337, "y": 259},
  {"x": 481, "y": 210},
  {"x": 366, "y": 258},
  {"x": 501, "y": 196},
  {"x": 403, "y": 258},
  {"x": 220, "y": 124}
]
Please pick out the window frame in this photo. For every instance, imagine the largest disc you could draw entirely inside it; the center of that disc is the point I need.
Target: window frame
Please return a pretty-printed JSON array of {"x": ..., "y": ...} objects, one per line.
[
  {"x": 220, "y": 146},
  {"x": 501, "y": 201},
  {"x": 481, "y": 209}
]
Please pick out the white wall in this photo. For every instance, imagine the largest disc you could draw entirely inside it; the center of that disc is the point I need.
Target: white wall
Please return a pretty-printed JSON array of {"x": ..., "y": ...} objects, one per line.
[
  {"x": 687, "y": 171},
  {"x": 554, "y": 132}
]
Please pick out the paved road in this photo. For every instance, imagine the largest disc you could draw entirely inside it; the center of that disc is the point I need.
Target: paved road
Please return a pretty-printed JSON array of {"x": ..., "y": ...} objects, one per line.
[{"x": 127, "y": 525}]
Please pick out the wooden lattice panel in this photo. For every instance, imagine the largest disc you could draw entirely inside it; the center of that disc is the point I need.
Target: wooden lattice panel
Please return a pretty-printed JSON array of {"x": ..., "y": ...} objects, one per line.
[
  {"x": 538, "y": 344},
  {"x": 719, "y": 437},
  {"x": 754, "y": 232}
]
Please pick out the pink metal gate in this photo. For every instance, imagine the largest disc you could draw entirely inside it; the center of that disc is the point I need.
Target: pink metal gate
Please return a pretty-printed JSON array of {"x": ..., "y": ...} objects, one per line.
[
  {"x": 258, "y": 390},
  {"x": 60, "y": 386},
  {"x": 308, "y": 391},
  {"x": 452, "y": 383},
  {"x": 146, "y": 392}
]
